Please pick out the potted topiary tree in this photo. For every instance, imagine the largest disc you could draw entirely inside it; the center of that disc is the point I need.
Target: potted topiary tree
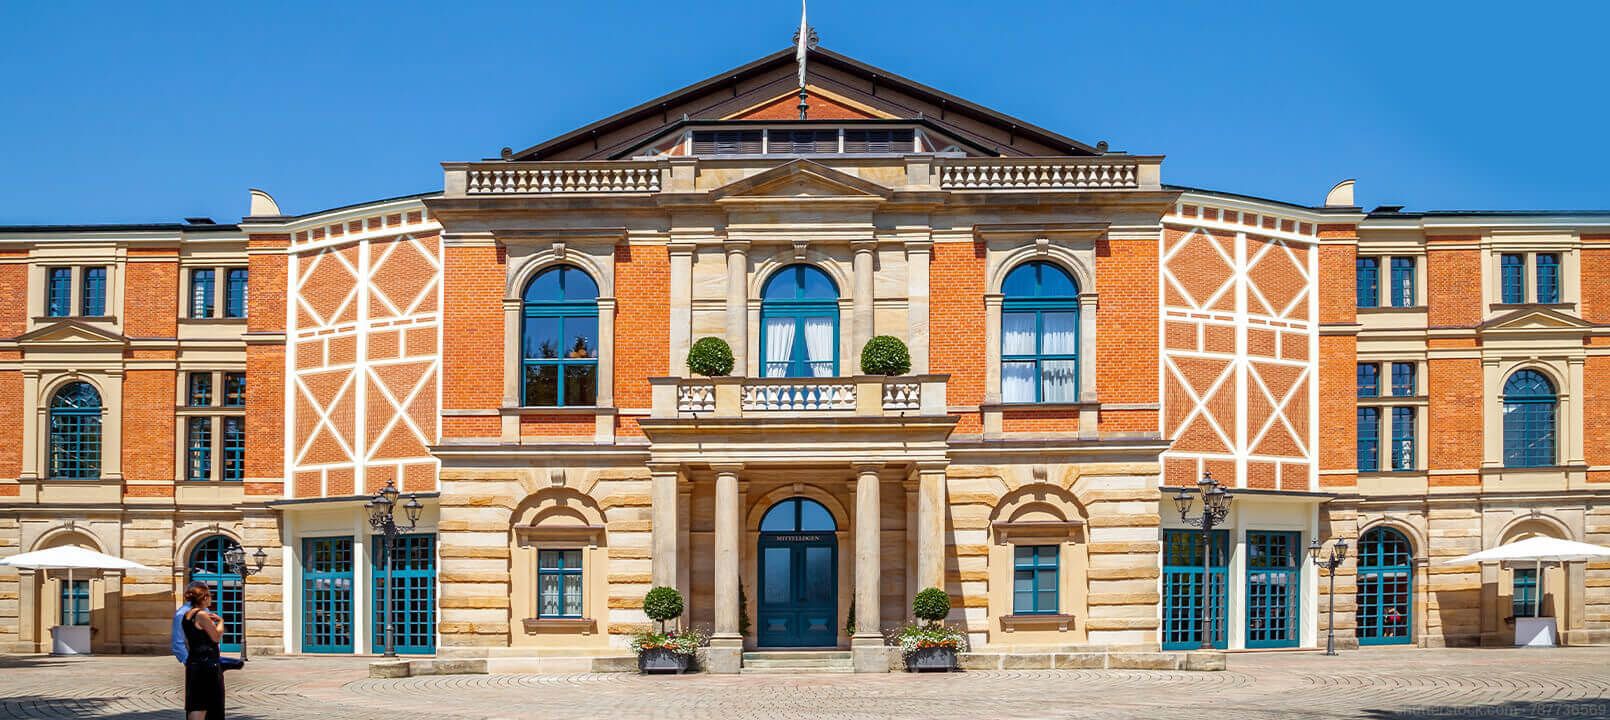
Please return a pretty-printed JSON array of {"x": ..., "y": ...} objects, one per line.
[
  {"x": 885, "y": 355},
  {"x": 710, "y": 357},
  {"x": 665, "y": 650},
  {"x": 931, "y": 645}
]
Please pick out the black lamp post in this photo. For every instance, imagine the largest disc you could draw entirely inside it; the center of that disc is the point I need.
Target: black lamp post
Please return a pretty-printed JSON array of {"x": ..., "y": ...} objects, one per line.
[
  {"x": 1338, "y": 553},
  {"x": 1215, "y": 506},
  {"x": 380, "y": 509},
  {"x": 235, "y": 558}
]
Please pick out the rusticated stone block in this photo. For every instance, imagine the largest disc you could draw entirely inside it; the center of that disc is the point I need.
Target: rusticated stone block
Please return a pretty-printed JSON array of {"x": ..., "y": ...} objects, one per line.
[
  {"x": 1143, "y": 661},
  {"x": 978, "y": 661},
  {"x": 1080, "y": 661},
  {"x": 390, "y": 669},
  {"x": 1026, "y": 661},
  {"x": 1203, "y": 660}
]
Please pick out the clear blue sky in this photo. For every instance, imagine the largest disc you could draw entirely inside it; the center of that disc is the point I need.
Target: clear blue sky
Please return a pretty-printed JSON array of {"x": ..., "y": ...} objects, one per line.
[{"x": 119, "y": 112}]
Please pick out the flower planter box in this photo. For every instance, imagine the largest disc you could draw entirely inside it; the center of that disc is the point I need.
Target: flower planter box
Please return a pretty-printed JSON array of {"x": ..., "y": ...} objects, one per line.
[
  {"x": 661, "y": 660},
  {"x": 932, "y": 659}
]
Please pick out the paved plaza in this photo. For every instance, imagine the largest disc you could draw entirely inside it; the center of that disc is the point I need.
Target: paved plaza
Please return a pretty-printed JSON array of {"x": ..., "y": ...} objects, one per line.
[{"x": 1380, "y": 683}]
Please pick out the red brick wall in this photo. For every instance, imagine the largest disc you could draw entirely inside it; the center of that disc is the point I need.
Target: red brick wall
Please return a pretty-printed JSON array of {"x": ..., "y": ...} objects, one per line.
[
  {"x": 1455, "y": 419},
  {"x": 1126, "y": 322},
  {"x": 265, "y": 367},
  {"x": 472, "y": 377},
  {"x": 148, "y": 424},
  {"x": 821, "y": 108},
  {"x": 151, "y": 293},
  {"x": 1596, "y": 411},
  {"x": 1338, "y": 400},
  {"x": 1595, "y": 274},
  {"x": 642, "y": 322},
  {"x": 13, "y": 285},
  {"x": 956, "y": 325},
  {"x": 11, "y": 402},
  {"x": 1453, "y": 285}
]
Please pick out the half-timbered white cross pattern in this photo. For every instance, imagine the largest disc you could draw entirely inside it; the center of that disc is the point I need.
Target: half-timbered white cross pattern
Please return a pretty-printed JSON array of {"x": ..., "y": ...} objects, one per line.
[
  {"x": 1200, "y": 410},
  {"x": 1286, "y": 306},
  {"x": 1278, "y": 408},
  {"x": 314, "y": 274},
  {"x": 404, "y": 250},
  {"x": 1205, "y": 296}
]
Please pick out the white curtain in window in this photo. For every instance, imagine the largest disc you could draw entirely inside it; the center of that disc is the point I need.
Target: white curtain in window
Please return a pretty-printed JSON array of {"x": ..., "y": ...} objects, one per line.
[
  {"x": 819, "y": 345},
  {"x": 1059, "y": 336},
  {"x": 1060, "y": 378},
  {"x": 548, "y": 593},
  {"x": 1018, "y": 329},
  {"x": 1017, "y": 382},
  {"x": 779, "y": 346}
]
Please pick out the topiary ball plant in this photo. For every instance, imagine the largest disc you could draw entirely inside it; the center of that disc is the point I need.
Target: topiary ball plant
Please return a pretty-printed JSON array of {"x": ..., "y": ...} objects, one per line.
[
  {"x": 885, "y": 355},
  {"x": 665, "y": 603},
  {"x": 710, "y": 357},
  {"x": 932, "y": 604}
]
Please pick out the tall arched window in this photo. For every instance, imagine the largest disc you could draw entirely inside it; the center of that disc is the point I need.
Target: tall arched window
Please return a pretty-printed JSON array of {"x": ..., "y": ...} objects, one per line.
[
  {"x": 207, "y": 565},
  {"x": 1385, "y": 588},
  {"x": 1530, "y": 412},
  {"x": 75, "y": 432},
  {"x": 799, "y": 317},
  {"x": 559, "y": 339},
  {"x": 1039, "y": 335}
]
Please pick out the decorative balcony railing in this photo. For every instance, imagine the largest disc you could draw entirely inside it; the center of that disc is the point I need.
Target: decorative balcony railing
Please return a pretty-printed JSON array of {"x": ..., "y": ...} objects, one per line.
[
  {"x": 550, "y": 178},
  {"x": 862, "y": 395},
  {"x": 1120, "y": 173}
]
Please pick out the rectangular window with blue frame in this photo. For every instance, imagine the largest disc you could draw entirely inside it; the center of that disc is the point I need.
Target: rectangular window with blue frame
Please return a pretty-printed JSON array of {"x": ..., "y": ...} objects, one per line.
[
  {"x": 1512, "y": 278},
  {"x": 559, "y": 584},
  {"x": 234, "y": 468},
  {"x": 200, "y": 390},
  {"x": 92, "y": 302},
  {"x": 1274, "y": 571},
  {"x": 1369, "y": 439},
  {"x": 234, "y": 389},
  {"x": 327, "y": 568},
  {"x": 198, "y": 452},
  {"x": 1403, "y": 438},
  {"x": 1548, "y": 278},
  {"x": 201, "y": 293},
  {"x": 74, "y": 601},
  {"x": 1523, "y": 602},
  {"x": 1182, "y": 589},
  {"x": 1403, "y": 384},
  {"x": 1369, "y": 379},
  {"x": 411, "y": 604},
  {"x": 235, "y": 293},
  {"x": 1368, "y": 271},
  {"x": 1403, "y": 282},
  {"x": 58, "y": 292},
  {"x": 1034, "y": 580}
]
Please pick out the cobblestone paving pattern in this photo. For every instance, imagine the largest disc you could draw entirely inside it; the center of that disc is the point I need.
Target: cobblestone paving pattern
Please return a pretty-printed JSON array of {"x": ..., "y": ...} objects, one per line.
[{"x": 1375, "y": 683}]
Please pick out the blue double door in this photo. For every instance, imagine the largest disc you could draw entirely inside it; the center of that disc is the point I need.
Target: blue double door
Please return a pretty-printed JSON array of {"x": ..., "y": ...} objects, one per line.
[{"x": 798, "y": 590}]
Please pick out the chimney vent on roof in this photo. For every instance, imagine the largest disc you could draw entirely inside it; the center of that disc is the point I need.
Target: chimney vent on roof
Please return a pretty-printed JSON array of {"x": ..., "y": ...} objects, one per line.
[{"x": 199, "y": 221}]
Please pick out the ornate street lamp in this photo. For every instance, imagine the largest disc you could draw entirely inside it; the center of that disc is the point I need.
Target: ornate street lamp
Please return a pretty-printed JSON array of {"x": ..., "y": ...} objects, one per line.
[
  {"x": 1215, "y": 506},
  {"x": 235, "y": 559},
  {"x": 1338, "y": 553},
  {"x": 382, "y": 519}
]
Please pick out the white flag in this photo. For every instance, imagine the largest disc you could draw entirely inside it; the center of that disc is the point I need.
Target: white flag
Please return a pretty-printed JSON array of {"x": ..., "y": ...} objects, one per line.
[{"x": 804, "y": 38}]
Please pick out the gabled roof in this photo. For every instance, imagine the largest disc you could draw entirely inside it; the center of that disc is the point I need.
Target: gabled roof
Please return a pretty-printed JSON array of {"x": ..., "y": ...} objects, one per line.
[{"x": 845, "y": 82}]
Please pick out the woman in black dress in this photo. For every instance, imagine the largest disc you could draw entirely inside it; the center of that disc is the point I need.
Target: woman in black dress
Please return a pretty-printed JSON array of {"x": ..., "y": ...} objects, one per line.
[{"x": 203, "y": 675}]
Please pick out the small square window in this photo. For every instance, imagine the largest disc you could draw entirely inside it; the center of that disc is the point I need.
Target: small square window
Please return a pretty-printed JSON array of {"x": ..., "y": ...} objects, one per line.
[
  {"x": 559, "y": 583},
  {"x": 1369, "y": 380},
  {"x": 1034, "y": 580},
  {"x": 234, "y": 389},
  {"x": 1403, "y": 379},
  {"x": 200, "y": 394}
]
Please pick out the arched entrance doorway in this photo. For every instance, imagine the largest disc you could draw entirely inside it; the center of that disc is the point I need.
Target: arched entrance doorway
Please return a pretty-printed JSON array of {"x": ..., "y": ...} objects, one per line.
[
  {"x": 1385, "y": 588},
  {"x": 798, "y": 556}
]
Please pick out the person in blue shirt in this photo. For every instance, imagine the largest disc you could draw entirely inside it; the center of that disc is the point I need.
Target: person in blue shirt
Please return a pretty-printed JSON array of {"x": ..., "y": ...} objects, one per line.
[{"x": 181, "y": 649}]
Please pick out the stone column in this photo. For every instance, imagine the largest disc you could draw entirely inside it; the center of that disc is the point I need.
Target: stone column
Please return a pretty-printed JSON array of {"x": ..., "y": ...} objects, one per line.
[
  {"x": 726, "y": 645},
  {"x": 662, "y": 496},
  {"x": 861, "y": 295},
  {"x": 681, "y": 309},
  {"x": 738, "y": 305},
  {"x": 867, "y": 648},
  {"x": 930, "y": 526},
  {"x": 918, "y": 255}
]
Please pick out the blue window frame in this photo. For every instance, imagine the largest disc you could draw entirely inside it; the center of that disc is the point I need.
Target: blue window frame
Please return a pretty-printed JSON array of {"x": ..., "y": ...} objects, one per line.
[
  {"x": 74, "y": 601},
  {"x": 1530, "y": 406},
  {"x": 234, "y": 468},
  {"x": 1512, "y": 274},
  {"x": 1385, "y": 588},
  {"x": 559, "y": 339},
  {"x": 1369, "y": 379},
  {"x": 75, "y": 432},
  {"x": 93, "y": 301},
  {"x": 413, "y": 600},
  {"x": 1403, "y": 438},
  {"x": 198, "y": 449},
  {"x": 201, "y": 293},
  {"x": 1039, "y": 335},
  {"x": 559, "y": 584},
  {"x": 234, "y": 389},
  {"x": 1274, "y": 574},
  {"x": 59, "y": 292},
  {"x": 799, "y": 320},
  {"x": 1548, "y": 278},
  {"x": 1403, "y": 282},
  {"x": 207, "y": 564},
  {"x": 1523, "y": 601},
  {"x": 199, "y": 392},
  {"x": 1034, "y": 579},
  {"x": 1403, "y": 384},
  {"x": 1369, "y": 439},
  {"x": 1182, "y": 589},
  {"x": 235, "y": 293},
  {"x": 327, "y": 595},
  {"x": 1368, "y": 274}
]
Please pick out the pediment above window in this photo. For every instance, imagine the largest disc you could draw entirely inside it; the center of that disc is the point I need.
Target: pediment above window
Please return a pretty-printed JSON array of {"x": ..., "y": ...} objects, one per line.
[
  {"x": 801, "y": 180},
  {"x": 71, "y": 334},
  {"x": 1536, "y": 318}
]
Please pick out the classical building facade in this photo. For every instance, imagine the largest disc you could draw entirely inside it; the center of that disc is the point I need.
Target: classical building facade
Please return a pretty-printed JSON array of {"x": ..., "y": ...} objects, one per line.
[{"x": 1084, "y": 341}]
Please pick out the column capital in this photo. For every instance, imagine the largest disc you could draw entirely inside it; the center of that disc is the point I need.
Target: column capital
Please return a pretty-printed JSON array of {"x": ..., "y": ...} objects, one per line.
[
  {"x": 727, "y": 468},
  {"x": 664, "y": 468},
  {"x": 676, "y": 247},
  {"x": 865, "y": 245},
  {"x": 866, "y": 468},
  {"x": 735, "y": 246},
  {"x": 919, "y": 247}
]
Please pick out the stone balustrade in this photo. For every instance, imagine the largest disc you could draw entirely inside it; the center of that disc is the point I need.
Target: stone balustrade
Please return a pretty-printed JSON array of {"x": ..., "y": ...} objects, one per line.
[
  {"x": 860, "y": 395},
  {"x": 555, "y": 178},
  {"x": 1116, "y": 173}
]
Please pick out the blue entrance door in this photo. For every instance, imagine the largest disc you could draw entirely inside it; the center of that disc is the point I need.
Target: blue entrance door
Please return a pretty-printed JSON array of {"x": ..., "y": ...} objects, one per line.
[{"x": 798, "y": 569}]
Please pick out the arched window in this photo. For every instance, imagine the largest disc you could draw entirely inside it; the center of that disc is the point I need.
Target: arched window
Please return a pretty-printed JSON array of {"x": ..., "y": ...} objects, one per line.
[
  {"x": 1385, "y": 588},
  {"x": 797, "y": 515},
  {"x": 75, "y": 432},
  {"x": 559, "y": 339},
  {"x": 1529, "y": 418},
  {"x": 799, "y": 317},
  {"x": 207, "y": 565},
  {"x": 1039, "y": 335}
]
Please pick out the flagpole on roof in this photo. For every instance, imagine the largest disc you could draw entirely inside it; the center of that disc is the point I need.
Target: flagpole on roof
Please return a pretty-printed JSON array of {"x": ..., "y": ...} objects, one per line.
[{"x": 802, "y": 40}]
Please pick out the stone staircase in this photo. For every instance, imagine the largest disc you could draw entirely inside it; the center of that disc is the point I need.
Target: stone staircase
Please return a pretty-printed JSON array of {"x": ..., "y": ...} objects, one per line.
[{"x": 792, "y": 662}]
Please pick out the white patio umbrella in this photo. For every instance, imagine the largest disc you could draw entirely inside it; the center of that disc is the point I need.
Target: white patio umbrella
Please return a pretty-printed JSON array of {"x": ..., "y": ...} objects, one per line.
[
  {"x": 1537, "y": 550},
  {"x": 71, "y": 558}
]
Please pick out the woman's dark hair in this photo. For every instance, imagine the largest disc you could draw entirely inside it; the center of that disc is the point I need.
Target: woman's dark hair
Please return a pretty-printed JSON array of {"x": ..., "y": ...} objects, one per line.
[{"x": 196, "y": 592}]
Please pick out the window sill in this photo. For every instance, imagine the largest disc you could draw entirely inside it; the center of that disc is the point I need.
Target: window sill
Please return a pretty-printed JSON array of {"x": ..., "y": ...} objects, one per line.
[
  {"x": 1060, "y": 623},
  {"x": 1008, "y": 407},
  {"x": 1389, "y": 309},
  {"x": 526, "y": 410},
  {"x": 45, "y": 319},
  {"x": 212, "y": 320},
  {"x": 585, "y": 626}
]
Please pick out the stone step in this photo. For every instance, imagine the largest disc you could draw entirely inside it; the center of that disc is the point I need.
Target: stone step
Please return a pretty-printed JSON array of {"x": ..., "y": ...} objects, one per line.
[
  {"x": 795, "y": 670},
  {"x": 799, "y": 663},
  {"x": 796, "y": 654}
]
